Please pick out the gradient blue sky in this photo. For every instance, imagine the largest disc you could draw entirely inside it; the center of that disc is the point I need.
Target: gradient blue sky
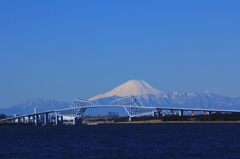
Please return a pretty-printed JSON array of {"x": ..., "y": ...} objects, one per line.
[{"x": 65, "y": 49}]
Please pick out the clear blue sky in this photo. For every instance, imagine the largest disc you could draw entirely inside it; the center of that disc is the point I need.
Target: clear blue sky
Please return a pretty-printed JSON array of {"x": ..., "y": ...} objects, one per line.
[{"x": 65, "y": 49}]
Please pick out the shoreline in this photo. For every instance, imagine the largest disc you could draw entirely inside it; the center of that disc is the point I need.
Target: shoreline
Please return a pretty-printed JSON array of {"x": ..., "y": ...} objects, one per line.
[
  {"x": 133, "y": 122},
  {"x": 163, "y": 122},
  {"x": 174, "y": 122}
]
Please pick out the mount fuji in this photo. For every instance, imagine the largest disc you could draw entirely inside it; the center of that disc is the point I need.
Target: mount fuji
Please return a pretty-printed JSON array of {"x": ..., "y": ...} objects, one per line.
[{"x": 130, "y": 88}]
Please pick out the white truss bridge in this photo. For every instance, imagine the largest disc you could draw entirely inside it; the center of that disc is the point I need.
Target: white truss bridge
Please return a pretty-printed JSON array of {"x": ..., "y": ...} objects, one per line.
[{"x": 131, "y": 104}]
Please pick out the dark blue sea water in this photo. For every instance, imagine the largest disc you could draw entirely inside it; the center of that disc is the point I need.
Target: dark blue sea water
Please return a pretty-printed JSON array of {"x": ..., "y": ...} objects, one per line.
[{"x": 121, "y": 141}]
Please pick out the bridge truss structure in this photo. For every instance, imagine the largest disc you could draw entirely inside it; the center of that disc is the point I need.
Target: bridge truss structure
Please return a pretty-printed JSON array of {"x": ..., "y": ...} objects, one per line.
[{"x": 131, "y": 104}]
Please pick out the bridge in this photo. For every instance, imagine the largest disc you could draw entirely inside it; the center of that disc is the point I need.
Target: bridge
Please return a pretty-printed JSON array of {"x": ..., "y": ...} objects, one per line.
[{"x": 131, "y": 104}]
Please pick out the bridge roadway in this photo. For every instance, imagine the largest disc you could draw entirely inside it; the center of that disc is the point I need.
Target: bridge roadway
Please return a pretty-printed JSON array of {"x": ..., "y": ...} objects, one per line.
[
  {"x": 156, "y": 107},
  {"x": 145, "y": 113},
  {"x": 78, "y": 113},
  {"x": 34, "y": 117}
]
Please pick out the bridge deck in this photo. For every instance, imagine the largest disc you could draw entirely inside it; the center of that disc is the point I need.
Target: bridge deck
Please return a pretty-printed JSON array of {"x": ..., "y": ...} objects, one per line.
[{"x": 124, "y": 106}]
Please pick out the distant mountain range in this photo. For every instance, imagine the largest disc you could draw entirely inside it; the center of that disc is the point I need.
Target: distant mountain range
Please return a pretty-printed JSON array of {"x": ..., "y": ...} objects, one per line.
[
  {"x": 148, "y": 95},
  {"x": 41, "y": 105},
  {"x": 204, "y": 100}
]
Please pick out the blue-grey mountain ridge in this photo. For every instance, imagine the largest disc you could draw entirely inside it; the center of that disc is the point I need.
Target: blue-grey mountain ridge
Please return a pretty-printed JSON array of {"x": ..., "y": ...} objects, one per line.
[{"x": 148, "y": 95}]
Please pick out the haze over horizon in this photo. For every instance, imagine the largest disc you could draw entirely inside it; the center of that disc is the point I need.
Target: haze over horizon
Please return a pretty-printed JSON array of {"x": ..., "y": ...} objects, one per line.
[{"x": 58, "y": 50}]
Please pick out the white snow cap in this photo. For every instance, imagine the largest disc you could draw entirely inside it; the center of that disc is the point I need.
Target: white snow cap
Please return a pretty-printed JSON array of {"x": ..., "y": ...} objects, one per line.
[{"x": 131, "y": 87}]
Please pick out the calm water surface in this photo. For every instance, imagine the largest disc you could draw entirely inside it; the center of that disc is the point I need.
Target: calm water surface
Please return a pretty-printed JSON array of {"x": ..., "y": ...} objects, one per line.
[{"x": 121, "y": 141}]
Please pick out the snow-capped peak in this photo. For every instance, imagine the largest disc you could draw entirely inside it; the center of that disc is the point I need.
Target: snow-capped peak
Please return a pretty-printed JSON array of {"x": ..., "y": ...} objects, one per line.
[
  {"x": 206, "y": 92},
  {"x": 176, "y": 93},
  {"x": 131, "y": 87}
]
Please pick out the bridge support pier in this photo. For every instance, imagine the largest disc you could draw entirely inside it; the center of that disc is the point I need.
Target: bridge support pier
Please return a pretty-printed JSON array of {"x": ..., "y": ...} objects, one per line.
[
  {"x": 77, "y": 121},
  {"x": 57, "y": 121},
  {"x": 23, "y": 119},
  {"x": 28, "y": 119},
  {"x": 36, "y": 119},
  {"x": 19, "y": 120},
  {"x": 181, "y": 113},
  {"x": 46, "y": 119},
  {"x": 50, "y": 118},
  {"x": 129, "y": 119},
  {"x": 33, "y": 119}
]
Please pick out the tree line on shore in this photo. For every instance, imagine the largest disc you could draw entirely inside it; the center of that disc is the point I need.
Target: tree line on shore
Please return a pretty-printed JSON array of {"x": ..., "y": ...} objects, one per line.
[{"x": 212, "y": 117}]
